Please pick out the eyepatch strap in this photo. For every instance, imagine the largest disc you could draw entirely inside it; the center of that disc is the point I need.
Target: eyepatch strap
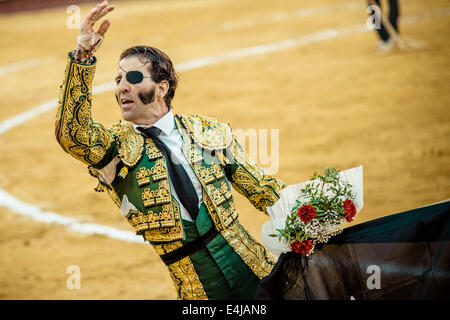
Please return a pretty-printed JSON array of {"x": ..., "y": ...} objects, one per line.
[{"x": 134, "y": 77}]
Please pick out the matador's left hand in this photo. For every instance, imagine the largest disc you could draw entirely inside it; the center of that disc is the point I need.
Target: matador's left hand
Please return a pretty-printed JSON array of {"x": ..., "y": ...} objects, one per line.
[{"x": 88, "y": 38}]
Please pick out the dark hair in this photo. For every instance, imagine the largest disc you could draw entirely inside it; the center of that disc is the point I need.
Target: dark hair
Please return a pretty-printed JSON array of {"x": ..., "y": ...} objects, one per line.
[{"x": 161, "y": 67}]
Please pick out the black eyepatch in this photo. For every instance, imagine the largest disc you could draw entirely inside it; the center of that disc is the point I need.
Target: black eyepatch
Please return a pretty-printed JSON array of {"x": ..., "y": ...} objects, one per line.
[{"x": 134, "y": 77}]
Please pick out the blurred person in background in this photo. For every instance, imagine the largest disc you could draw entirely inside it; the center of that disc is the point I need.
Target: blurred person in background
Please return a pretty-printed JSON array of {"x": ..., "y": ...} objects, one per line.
[{"x": 386, "y": 40}]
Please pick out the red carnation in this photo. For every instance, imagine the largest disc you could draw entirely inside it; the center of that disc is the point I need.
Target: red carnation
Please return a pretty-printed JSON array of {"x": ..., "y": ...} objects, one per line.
[
  {"x": 349, "y": 209},
  {"x": 306, "y": 213},
  {"x": 303, "y": 247}
]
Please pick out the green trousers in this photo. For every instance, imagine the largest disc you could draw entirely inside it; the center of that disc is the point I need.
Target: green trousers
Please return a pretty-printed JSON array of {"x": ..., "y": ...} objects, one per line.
[{"x": 222, "y": 272}]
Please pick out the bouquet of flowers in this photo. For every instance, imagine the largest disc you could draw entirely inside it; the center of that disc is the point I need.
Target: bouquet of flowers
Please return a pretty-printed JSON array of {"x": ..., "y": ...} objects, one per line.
[{"x": 316, "y": 210}]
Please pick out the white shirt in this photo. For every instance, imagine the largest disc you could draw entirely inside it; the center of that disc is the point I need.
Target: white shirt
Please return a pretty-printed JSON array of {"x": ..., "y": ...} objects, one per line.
[{"x": 171, "y": 137}]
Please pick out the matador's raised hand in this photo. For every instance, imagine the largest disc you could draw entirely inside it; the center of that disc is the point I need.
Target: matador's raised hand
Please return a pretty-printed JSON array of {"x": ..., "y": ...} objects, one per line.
[{"x": 88, "y": 38}]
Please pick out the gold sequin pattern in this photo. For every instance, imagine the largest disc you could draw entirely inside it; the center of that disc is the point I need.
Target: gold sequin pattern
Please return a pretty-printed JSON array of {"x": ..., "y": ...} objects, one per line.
[
  {"x": 222, "y": 215},
  {"x": 130, "y": 144},
  {"x": 219, "y": 194},
  {"x": 159, "y": 196},
  {"x": 138, "y": 220},
  {"x": 159, "y": 170},
  {"x": 152, "y": 220},
  {"x": 167, "y": 229},
  {"x": 208, "y": 132},
  {"x": 210, "y": 174},
  {"x": 164, "y": 218},
  {"x": 76, "y": 132},
  {"x": 152, "y": 150},
  {"x": 183, "y": 274},
  {"x": 252, "y": 253},
  {"x": 143, "y": 176}
]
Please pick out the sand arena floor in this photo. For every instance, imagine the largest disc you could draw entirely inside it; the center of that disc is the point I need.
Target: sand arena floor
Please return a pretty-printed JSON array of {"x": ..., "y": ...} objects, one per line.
[{"x": 335, "y": 101}]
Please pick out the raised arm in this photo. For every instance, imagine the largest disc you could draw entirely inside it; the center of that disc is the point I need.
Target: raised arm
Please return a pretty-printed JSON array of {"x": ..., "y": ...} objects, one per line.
[{"x": 75, "y": 130}]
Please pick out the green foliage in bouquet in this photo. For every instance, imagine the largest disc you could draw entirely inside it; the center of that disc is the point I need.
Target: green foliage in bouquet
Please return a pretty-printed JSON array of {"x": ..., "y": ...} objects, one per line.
[{"x": 323, "y": 206}]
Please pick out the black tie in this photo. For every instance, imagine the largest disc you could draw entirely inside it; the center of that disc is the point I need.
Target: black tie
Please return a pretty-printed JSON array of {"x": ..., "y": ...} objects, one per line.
[{"x": 178, "y": 176}]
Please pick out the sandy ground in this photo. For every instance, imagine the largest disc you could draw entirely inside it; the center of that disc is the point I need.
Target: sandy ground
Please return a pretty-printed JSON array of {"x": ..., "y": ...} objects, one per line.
[{"x": 336, "y": 103}]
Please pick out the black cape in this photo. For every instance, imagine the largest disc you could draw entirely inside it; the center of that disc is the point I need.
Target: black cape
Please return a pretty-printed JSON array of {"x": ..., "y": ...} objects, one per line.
[{"x": 401, "y": 256}]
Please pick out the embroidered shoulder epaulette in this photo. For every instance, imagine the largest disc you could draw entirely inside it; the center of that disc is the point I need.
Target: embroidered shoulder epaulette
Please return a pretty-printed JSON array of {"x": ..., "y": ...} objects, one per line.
[
  {"x": 130, "y": 144},
  {"x": 207, "y": 132}
]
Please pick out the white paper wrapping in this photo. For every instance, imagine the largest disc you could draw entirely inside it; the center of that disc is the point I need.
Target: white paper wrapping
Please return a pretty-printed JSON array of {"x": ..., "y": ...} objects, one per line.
[{"x": 282, "y": 208}]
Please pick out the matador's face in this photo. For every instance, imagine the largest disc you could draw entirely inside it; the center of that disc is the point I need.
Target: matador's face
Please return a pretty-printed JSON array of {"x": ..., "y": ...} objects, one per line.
[{"x": 139, "y": 97}]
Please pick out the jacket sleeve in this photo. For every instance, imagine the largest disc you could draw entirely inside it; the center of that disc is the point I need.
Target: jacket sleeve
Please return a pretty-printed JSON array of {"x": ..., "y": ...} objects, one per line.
[
  {"x": 250, "y": 180},
  {"x": 75, "y": 130}
]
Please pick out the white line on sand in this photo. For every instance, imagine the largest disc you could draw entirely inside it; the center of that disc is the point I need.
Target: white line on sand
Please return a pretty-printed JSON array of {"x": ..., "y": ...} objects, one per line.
[
  {"x": 20, "y": 65},
  {"x": 295, "y": 14},
  {"x": 36, "y": 213}
]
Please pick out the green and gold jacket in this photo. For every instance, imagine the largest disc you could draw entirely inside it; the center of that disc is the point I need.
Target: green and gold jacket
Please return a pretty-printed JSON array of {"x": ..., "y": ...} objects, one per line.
[{"x": 211, "y": 150}]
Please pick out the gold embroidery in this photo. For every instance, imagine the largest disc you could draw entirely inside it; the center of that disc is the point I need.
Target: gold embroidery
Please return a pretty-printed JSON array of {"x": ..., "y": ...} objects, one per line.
[
  {"x": 252, "y": 253},
  {"x": 196, "y": 155},
  {"x": 159, "y": 170},
  {"x": 225, "y": 190},
  {"x": 165, "y": 218},
  {"x": 227, "y": 213},
  {"x": 221, "y": 216},
  {"x": 193, "y": 154},
  {"x": 165, "y": 234},
  {"x": 217, "y": 171},
  {"x": 206, "y": 175},
  {"x": 137, "y": 220},
  {"x": 210, "y": 174},
  {"x": 215, "y": 194},
  {"x": 212, "y": 211},
  {"x": 183, "y": 274},
  {"x": 123, "y": 172},
  {"x": 157, "y": 197},
  {"x": 75, "y": 130},
  {"x": 93, "y": 172},
  {"x": 151, "y": 150},
  {"x": 156, "y": 226},
  {"x": 186, "y": 280},
  {"x": 100, "y": 187},
  {"x": 148, "y": 198},
  {"x": 167, "y": 247},
  {"x": 143, "y": 176},
  {"x": 130, "y": 144},
  {"x": 208, "y": 133}
]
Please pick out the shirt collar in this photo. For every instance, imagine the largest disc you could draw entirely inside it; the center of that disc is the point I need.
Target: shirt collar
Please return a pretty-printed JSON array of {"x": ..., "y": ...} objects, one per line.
[{"x": 166, "y": 124}]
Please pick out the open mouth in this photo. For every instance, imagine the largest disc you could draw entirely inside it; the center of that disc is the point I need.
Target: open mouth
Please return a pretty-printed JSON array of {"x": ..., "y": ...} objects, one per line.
[{"x": 125, "y": 102}]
